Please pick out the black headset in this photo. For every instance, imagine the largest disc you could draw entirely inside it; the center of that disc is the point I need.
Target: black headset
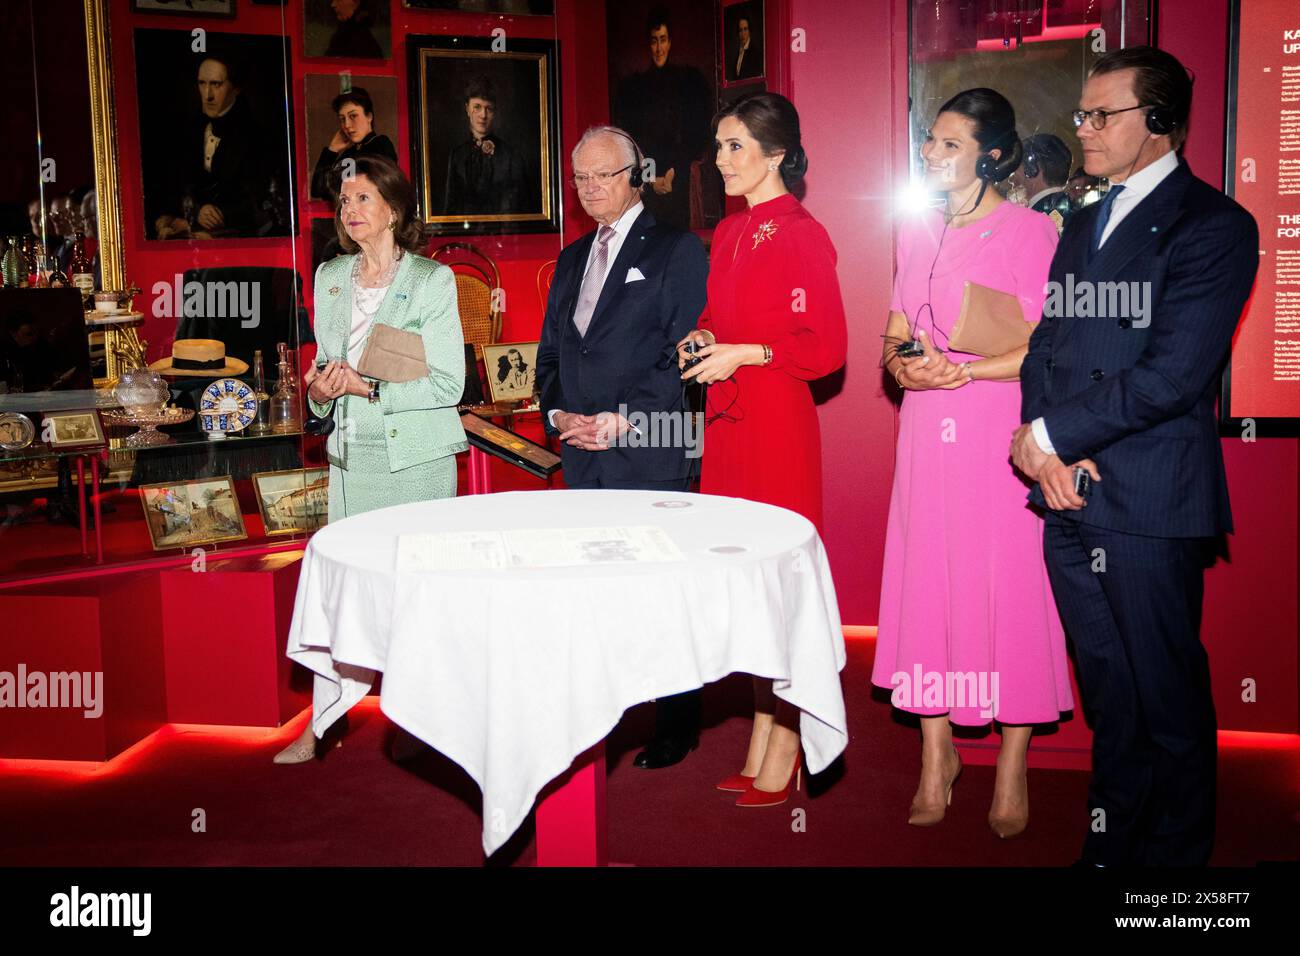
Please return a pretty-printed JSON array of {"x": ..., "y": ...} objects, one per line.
[
  {"x": 1161, "y": 120},
  {"x": 635, "y": 178},
  {"x": 986, "y": 166},
  {"x": 1030, "y": 163}
]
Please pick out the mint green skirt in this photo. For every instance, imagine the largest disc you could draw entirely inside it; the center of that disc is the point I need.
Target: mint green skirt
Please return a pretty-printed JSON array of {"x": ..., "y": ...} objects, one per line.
[{"x": 367, "y": 484}]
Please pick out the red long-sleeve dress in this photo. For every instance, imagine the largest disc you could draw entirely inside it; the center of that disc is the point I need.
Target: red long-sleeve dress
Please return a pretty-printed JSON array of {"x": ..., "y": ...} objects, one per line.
[{"x": 772, "y": 281}]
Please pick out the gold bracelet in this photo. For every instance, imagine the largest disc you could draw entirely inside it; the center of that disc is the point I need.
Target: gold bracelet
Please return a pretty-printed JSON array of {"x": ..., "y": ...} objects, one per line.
[{"x": 767, "y": 355}]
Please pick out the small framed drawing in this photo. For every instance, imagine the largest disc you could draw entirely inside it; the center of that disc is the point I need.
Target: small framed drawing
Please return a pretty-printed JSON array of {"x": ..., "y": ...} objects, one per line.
[
  {"x": 511, "y": 369},
  {"x": 181, "y": 514},
  {"x": 79, "y": 429},
  {"x": 293, "y": 501},
  {"x": 187, "y": 8}
]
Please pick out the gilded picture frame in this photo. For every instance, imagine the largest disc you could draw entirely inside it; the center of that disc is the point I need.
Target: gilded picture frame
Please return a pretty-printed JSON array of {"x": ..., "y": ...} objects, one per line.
[{"x": 485, "y": 134}]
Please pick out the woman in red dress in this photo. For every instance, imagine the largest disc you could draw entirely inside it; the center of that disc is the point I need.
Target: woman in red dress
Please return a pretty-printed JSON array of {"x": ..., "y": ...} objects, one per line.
[{"x": 772, "y": 283}]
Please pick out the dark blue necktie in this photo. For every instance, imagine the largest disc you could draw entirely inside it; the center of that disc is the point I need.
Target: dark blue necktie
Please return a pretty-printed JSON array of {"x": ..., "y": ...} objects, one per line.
[{"x": 1103, "y": 214}]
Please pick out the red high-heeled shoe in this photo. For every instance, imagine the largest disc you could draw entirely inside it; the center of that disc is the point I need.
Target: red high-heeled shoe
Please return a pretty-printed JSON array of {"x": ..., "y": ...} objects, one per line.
[
  {"x": 736, "y": 783},
  {"x": 753, "y": 797}
]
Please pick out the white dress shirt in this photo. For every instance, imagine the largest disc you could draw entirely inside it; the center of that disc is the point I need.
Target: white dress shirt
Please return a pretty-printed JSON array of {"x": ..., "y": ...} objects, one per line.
[
  {"x": 622, "y": 226},
  {"x": 1136, "y": 188}
]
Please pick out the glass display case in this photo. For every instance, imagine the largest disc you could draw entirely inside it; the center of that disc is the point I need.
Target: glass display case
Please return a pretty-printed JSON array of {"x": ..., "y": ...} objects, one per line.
[{"x": 163, "y": 226}]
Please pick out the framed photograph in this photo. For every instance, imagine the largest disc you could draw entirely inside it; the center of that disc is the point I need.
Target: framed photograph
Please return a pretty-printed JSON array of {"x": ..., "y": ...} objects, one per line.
[
  {"x": 663, "y": 89},
  {"x": 187, "y": 8},
  {"x": 348, "y": 29},
  {"x": 293, "y": 501},
  {"x": 742, "y": 42},
  {"x": 348, "y": 116},
  {"x": 182, "y": 514},
  {"x": 511, "y": 369},
  {"x": 485, "y": 134},
  {"x": 512, "y": 7},
  {"x": 520, "y": 452},
  {"x": 235, "y": 92},
  {"x": 79, "y": 429}
]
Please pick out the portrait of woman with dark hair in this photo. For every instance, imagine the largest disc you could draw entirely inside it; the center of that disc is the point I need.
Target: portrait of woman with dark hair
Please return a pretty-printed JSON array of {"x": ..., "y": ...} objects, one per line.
[
  {"x": 355, "y": 136},
  {"x": 485, "y": 174}
]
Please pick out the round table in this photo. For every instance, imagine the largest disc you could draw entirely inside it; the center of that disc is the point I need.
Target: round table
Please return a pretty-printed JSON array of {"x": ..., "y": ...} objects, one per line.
[{"x": 514, "y": 671}]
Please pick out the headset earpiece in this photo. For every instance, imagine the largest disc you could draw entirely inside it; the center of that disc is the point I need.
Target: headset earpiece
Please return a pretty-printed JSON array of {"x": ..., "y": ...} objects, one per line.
[
  {"x": 986, "y": 167},
  {"x": 634, "y": 176},
  {"x": 1031, "y": 164},
  {"x": 1160, "y": 120}
]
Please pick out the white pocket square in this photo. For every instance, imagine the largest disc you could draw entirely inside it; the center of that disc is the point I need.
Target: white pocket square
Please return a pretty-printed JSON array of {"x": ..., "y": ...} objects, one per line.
[{"x": 633, "y": 275}]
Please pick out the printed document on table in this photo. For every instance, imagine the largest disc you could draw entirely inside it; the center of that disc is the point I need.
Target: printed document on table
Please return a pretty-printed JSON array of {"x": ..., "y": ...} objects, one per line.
[
  {"x": 451, "y": 551},
  {"x": 563, "y": 547},
  {"x": 535, "y": 548}
]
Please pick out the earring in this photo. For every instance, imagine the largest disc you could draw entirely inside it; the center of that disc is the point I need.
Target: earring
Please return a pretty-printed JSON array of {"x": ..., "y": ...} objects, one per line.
[
  {"x": 771, "y": 167},
  {"x": 392, "y": 224}
]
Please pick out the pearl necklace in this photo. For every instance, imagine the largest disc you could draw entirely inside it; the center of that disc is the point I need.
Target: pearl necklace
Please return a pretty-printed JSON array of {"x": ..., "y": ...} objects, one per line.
[{"x": 368, "y": 299}]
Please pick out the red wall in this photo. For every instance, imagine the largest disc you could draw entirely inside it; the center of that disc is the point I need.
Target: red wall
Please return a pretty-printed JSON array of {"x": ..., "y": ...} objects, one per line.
[{"x": 852, "y": 112}]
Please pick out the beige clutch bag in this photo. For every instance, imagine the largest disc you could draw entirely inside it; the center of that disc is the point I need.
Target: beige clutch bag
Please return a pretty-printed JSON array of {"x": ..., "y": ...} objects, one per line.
[
  {"x": 392, "y": 355},
  {"x": 990, "y": 323}
]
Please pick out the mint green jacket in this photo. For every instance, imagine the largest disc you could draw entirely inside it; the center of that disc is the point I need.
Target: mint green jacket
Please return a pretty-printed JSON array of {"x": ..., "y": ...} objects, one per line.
[{"x": 420, "y": 421}]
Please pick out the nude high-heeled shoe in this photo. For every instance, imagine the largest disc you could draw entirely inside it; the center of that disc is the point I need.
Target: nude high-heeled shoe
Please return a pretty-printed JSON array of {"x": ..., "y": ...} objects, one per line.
[
  {"x": 927, "y": 815},
  {"x": 1012, "y": 823},
  {"x": 307, "y": 747}
]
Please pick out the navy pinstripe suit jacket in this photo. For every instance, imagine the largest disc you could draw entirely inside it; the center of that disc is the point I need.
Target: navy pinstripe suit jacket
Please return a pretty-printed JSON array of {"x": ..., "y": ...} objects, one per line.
[{"x": 1136, "y": 392}]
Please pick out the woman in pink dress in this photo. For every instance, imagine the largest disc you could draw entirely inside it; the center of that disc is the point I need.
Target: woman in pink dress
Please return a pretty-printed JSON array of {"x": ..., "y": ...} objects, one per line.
[{"x": 968, "y": 630}]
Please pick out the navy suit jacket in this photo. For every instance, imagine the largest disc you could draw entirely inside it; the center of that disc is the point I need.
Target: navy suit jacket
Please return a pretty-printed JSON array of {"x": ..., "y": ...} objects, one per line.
[
  {"x": 628, "y": 356},
  {"x": 1136, "y": 394}
]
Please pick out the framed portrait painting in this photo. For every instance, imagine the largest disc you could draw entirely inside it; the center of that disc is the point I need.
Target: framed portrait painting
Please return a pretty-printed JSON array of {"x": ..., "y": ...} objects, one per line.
[
  {"x": 485, "y": 134},
  {"x": 349, "y": 29},
  {"x": 663, "y": 89},
  {"x": 348, "y": 116},
  {"x": 742, "y": 42},
  {"x": 511, "y": 369},
  {"x": 181, "y": 514},
  {"x": 214, "y": 149}
]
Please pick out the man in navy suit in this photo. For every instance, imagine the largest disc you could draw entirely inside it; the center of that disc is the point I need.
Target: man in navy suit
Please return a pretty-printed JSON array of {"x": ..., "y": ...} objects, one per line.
[
  {"x": 1144, "y": 293},
  {"x": 623, "y": 296}
]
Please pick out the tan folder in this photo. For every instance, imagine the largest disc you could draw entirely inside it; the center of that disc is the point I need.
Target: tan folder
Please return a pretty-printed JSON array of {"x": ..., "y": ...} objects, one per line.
[
  {"x": 392, "y": 355},
  {"x": 990, "y": 323}
]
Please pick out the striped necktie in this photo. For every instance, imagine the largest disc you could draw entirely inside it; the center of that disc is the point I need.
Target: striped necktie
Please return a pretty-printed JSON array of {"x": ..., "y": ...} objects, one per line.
[{"x": 594, "y": 281}]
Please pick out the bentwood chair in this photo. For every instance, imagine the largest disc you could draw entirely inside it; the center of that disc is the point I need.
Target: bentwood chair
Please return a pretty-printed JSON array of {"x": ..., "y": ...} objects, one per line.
[{"x": 477, "y": 279}]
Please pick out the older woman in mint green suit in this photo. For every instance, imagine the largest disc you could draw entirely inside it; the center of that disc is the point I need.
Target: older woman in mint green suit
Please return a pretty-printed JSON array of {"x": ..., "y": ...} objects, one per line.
[{"x": 394, "y": 442}]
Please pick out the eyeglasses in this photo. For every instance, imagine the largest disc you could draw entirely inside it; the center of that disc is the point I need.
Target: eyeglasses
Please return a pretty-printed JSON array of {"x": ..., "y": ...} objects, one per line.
[
  {"x": 578, "y": 180},
  {"x": 1098, "y": 117}
]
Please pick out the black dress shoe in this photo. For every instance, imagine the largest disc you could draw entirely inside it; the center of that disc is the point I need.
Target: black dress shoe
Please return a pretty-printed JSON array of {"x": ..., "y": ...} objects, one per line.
[{"x": 664, "y": 752}]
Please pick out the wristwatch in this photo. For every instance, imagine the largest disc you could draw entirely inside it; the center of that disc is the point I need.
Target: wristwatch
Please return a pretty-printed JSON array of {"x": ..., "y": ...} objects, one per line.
[{"x": 374, "y": 392}]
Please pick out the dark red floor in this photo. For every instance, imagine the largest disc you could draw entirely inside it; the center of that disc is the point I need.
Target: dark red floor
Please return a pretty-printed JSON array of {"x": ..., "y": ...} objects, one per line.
[{"x": 358, "y": 808}]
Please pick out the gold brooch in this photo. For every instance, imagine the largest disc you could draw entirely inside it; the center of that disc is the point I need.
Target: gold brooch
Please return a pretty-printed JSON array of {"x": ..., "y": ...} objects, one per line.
[
  {"x": 766, "y": 231},
  {"x": 334, "y": 291}
]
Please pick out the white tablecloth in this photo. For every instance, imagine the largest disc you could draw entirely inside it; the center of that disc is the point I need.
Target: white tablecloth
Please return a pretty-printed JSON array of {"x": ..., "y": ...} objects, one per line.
[{"x": 513, "y": 673}]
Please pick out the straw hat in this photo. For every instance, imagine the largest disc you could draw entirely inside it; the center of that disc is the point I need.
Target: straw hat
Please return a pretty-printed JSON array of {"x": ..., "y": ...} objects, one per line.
[{"x": 199, "y": 358}]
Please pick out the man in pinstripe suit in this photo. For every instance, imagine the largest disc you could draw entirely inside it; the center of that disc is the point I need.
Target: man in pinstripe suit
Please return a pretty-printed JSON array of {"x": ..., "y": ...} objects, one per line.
[{"x": 1145, "y": 291}]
